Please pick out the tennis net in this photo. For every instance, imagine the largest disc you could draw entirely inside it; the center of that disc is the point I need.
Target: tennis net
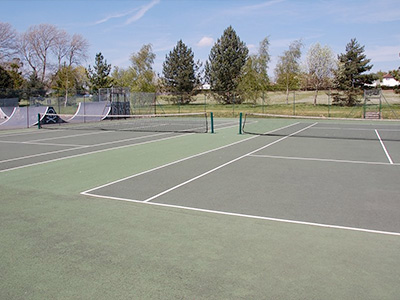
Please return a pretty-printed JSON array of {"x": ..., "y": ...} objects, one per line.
[
  {"x": 185, "y": 122},
  {"x": 319, "y": 127}
]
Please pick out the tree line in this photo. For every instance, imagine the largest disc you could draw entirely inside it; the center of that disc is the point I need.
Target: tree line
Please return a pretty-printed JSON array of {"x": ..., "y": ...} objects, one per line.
[{"x": 47, "y": 58}]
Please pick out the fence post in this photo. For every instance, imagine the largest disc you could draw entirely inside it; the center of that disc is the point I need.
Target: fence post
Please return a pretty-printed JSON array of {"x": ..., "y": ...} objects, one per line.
[
  {"x": 294, "y": 103},
  {"x": 263, "y": 101}
]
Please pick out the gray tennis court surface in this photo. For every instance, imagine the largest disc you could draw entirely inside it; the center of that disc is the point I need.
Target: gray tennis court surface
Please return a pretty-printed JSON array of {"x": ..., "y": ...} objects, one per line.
[{"x": 327, "y": 181}]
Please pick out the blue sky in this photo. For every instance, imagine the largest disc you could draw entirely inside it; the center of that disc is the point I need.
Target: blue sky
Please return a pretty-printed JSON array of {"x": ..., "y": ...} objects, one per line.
[{"x": 119, "y": 28}]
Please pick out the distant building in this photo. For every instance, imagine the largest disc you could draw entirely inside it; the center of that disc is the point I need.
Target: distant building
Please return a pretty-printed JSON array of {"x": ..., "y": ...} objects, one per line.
[{"x": 387, "y": 81}]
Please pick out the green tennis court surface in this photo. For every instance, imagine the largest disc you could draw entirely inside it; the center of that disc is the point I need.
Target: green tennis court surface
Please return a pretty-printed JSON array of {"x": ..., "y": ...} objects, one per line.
[{"x": 306, "y": 211}]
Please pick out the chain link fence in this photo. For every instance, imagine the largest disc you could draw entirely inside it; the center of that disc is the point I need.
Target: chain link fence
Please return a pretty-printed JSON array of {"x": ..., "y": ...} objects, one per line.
[{"x": 222, "y": 104}]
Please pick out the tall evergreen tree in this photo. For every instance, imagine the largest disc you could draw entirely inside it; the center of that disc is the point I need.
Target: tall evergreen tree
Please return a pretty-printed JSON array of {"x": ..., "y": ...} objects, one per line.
[
  {"x": 179, "y": 70},
  {"x": 226, "y": 59},
  {"x": 350, "y": 77},
  {"x": 34, "y": 86},
  {"x": 99, "y": 75},
  {"x": 6, "y": 81}
]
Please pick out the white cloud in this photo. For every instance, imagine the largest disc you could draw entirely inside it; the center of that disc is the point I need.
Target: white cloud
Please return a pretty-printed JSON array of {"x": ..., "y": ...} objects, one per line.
[
  {"x": 142, "y": 12},
  {"x": 135, "y": 14},
  {"x": 205, "y": 42},
  {"x": 252, "y": 48},
  {"x": 114, "y": 16}
]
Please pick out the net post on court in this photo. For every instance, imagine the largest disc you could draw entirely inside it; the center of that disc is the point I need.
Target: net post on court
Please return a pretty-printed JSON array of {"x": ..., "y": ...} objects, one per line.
[
  {"x": 212, "y": 122},
  {"x": 240, "y": 122}
]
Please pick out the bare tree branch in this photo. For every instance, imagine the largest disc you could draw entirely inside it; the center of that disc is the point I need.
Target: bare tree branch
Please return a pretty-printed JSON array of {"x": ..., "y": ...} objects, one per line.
[{"x": 8, "y": 42}]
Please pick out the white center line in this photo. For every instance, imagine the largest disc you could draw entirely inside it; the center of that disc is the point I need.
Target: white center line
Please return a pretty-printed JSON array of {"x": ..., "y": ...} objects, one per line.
[
  {"x": 384, "y": 148},
  {"x": 225, "y": 164}
]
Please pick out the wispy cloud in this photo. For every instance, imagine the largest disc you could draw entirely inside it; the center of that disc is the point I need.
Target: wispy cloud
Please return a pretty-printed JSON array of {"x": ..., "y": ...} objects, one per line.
[
  {"x": 133, "y": 14},
  {"x": 141, "y": 12},
  {"x": 257, "y": 7},
  {"x": 252, "y": 8},
  {"x": 115, "y": 16}
]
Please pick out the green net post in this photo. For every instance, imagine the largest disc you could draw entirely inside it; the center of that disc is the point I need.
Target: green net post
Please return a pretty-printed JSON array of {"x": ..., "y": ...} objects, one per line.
[
  {"x": 38, "y": 121},
  {"x": 212, "y": 122},
  {"x": 240, "y": 122}
]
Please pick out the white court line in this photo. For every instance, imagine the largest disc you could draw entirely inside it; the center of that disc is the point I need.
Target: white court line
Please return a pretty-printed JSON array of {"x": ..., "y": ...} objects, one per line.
[
  {"x": 79, "y": 147},
  {"x": 384, "y": 147},
  {"x": 249, "y": 216},
  {"x": 83, "y": 154},
  {"x": 178, "y": 161},
  {"x": 37, "y": 143},
  {"x": 69, "y": 136},
  {"x": 324, "y": 160},
  {"x": 225, "y": 164},
  {"x": 26, "y": 132},
  {"x": 166, "y": 165},
  {"x": 89, "y": 146},
  {"x": 88, "y": 193}
]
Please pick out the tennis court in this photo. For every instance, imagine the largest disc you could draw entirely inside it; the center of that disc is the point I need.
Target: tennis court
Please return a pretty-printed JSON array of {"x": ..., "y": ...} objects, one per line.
[{"x": 305, "y": 210}]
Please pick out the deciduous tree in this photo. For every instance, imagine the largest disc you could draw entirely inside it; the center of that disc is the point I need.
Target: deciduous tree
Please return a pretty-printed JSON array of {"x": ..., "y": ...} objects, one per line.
[
  {"x": 321, "y": 65},
  {"x": 37, "y": 44},
  {"x": 287, "y": 70},
  {"x": 8, "y": 42},
  {"x": 254, "y": 75},
  {"x": 142, "y": 67}
]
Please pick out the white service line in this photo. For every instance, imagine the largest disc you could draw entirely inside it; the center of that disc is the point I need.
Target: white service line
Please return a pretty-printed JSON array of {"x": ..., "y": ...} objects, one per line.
[
  {"x": 79, "y": 147},
  {"x": 248, "y": 216},
  {"x": 323, "y": 160},
  {"x": 68, "y": 136},
  {"x": 227, "y": 163},
  {"x": 30, "y": 132},
  {"x": 180, "y": 160},
  {"x": 166, "y": 165},
  {"x": 83, "y": 154},
  {"x": 90, "y": 146},
  {"x": 384, "y": 147},
  {"x": 37, "y": 143}
]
